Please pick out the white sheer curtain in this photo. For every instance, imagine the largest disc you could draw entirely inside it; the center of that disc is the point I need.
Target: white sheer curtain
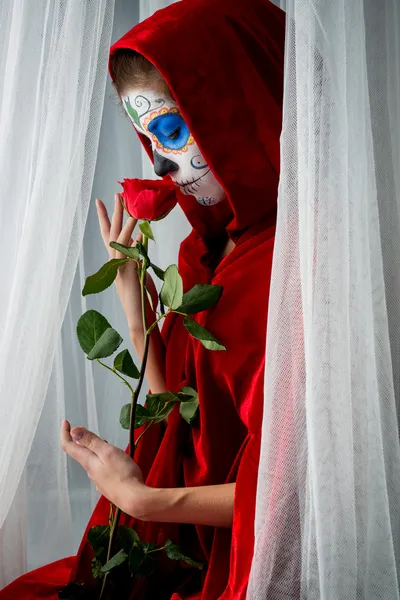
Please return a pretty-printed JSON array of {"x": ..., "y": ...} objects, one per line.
[
  {"x": 53, "y": 68},
  {"x": 53, "y": 61},
  {"x": 328, "y": 503}
]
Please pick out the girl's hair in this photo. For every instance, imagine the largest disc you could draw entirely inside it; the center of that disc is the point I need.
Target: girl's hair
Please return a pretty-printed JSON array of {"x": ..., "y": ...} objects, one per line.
[{"x": 132, "y": 70}]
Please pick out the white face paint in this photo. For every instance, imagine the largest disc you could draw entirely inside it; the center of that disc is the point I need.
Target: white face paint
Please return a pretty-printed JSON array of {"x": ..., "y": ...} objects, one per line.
[{"x": 175, "y": 151}]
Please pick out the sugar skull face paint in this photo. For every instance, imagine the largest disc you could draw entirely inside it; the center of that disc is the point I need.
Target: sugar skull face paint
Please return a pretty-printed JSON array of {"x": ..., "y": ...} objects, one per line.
[{"x": 174, "y": 149}]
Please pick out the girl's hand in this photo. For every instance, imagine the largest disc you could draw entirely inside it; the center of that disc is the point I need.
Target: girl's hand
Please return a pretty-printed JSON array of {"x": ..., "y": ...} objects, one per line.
[
  {"x": 115, "y": 475},
  {"x": 127, "y": 281},
  {"x": 120, "y": 480},
  {"x": 128, "y": 288}
]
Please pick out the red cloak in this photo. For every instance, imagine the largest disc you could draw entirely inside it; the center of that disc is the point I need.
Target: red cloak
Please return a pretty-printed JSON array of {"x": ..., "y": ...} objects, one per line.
[{"x": 223, "y": 61}]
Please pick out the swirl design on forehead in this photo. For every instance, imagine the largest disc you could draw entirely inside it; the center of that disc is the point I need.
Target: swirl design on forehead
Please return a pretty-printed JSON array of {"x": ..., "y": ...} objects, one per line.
[
  {"x": 144, "y": 105},
  {"x": 163, "y": 111}
]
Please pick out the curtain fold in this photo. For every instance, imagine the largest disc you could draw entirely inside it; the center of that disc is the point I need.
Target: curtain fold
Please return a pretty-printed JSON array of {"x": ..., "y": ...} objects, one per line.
[
  {"x": 328, "y": 501},
  {"x": 53, "y": 63}
]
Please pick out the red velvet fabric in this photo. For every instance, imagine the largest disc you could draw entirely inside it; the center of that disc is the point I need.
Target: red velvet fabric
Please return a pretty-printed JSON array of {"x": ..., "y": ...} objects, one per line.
[{"x": 223, "y": 61}]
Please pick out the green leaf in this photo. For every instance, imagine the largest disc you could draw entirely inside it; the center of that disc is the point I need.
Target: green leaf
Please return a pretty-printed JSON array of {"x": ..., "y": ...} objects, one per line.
[
  {"x": 200, "y": 333},
  {"x": 147, "y": 567},
  {"x": 189, "y": 411},
  {"x": 96, "y": 336},
  {"x": 90, "y": 328},
  {"x": 141, "y": 416},
  {"x": 189, "y": 392},
  {"x": 140, "y": 564},
  {"x": 96, "y": 569},
  {"x": 184, "y": 397},
  {"x": 163, "y": 413},
  {"x": 101, "y": 280},
  {"x": 146, "y": 229},
  {"x": 188, "y": 396},
  {"x": 132, "y": 113},
  {"x": 128, "y": 537},
  {"x": 147, "y": 546},
  {"x": 106, "y": 345},
  {"x": 125, "y": 416},
  {"x": 172, "y": 290},
  {"x": 174, "y": 552},
  {"x": 159, "y": 406},
  {"x": 155, "y": 401},
  {"x": 98, "y": 538},
  {"x": 136, "y": 557},
  {"x": 143, "y": 252},
  {"x": 162, "y": 307},
  {"x": 116, "y": 560},
  {"x": 199, "y": 298},
  {"x": 159, "y": 272},
  {"x": 124, "y": 364},
  {"x": 129, "y": 251},
  {"x": 189, "y": 408}
]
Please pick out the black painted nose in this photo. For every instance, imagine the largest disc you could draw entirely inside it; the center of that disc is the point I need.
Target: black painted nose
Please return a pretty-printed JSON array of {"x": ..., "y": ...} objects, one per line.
[{"x": 162, "y": 165}]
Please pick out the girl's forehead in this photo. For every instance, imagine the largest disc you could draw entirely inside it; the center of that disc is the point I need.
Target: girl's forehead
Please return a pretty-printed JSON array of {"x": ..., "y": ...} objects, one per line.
[{"x": 145, "y": 99}]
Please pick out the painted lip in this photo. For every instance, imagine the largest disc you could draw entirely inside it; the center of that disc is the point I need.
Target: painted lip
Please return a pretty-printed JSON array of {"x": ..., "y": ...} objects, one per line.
[{"x": 188, "y": 186}]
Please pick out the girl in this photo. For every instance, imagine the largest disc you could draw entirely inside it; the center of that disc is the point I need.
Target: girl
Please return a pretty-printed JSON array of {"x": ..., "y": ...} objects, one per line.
[{"x": 202, "y": 83}]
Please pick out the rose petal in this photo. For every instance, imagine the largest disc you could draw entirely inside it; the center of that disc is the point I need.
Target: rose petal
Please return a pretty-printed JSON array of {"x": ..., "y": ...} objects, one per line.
[{"x": 148, "y": 199}]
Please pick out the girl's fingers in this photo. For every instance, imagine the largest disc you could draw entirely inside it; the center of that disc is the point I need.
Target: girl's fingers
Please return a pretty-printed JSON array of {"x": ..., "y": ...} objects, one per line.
[
  {"x": 80, "y": 453},
  {"x": 104, "y": 222},
  {"x": 125, "y": 237},
  {"x": 117, "y": 218},
  {"x": 138, "y": 238},
  {"x": 114, "y": 231}
]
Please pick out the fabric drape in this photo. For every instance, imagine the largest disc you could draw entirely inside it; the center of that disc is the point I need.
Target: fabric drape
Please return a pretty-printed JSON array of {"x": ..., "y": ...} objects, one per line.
[{"x": 328, "y": 501}]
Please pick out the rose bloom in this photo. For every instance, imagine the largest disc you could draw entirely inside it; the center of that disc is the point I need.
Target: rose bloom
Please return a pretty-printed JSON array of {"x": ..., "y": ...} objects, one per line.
[{"x": 149, "y": 200}]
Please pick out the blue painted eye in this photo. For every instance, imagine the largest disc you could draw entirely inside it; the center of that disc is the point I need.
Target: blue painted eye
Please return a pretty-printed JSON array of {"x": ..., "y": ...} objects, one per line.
[{"x": 171, "y": 130}]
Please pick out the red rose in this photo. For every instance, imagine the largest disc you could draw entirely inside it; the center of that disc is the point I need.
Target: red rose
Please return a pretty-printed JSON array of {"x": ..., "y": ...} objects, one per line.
[{"x": 148, "y": 199}]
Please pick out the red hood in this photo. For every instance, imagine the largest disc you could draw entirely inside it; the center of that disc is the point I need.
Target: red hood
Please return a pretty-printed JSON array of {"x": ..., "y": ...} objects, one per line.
[{"x": 223, "y": 62}]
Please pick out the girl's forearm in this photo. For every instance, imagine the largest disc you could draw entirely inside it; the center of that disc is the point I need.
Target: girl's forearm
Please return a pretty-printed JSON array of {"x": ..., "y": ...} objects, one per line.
[{"x": 207, "y": 505}]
